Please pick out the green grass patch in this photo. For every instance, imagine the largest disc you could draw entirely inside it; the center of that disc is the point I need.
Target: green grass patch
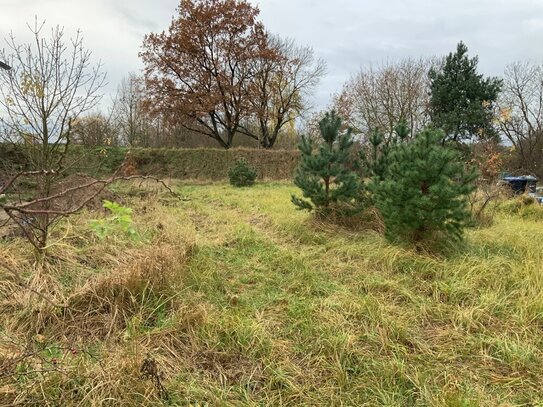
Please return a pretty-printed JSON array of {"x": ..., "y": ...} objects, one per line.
[{"x": 270, "y": 308}]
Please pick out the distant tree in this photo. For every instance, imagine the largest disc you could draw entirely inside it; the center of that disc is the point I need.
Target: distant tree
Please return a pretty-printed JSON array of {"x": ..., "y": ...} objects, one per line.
[
  {"x": 95, "y": 130},
  {"x": 131, "y": 119},
  {"x": 310, "y": 126},
  {"x": 200, "y": 73},
  {"x": 425, "y": 190},
  {"x": 521, "y": 114},
  {"x": 379, "y": 97},
  {"x": 462, "y": 100},
  {"x": 50, "y": 85},
  {"x": 325, "y": 177},
  {"x": 281, "y": 86}
]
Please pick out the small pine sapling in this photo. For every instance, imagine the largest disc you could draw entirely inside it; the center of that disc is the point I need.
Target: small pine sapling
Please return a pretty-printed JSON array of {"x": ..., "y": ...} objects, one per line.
[
  {"x": 425, "y": 190},
  {"x": 375, "y": 161},
  {"x": 242, "y": 174},
  {"x": 327, "y": 181}
]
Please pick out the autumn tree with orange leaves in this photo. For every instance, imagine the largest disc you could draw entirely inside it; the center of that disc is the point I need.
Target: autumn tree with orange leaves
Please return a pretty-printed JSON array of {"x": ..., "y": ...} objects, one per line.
[{"x": 200, "y": 72}]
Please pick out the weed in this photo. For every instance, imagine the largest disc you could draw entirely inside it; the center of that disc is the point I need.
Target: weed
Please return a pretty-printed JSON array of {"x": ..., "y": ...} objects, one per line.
[{"x": 120, "y": 220}]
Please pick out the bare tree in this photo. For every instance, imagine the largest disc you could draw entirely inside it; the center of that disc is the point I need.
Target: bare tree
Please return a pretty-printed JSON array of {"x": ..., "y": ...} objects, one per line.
[
  {"x": 281, "y": 89},
  {"x": 52, "y": 82},
  {"x": 132, "y": 120},
  {"x": 521, "y": 113},
  {"x": 125, "y": 122},
  {"x": 380, "y": 97}
]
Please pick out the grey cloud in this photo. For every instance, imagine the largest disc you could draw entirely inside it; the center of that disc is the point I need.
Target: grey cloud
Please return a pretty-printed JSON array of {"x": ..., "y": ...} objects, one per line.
[
  {"x": 345, "y": 33},
  {"x": 349, "y": 34}
]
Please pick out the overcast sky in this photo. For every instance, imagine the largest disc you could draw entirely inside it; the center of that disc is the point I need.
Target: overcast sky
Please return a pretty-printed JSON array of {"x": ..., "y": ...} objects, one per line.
[{"x": 347, "y": 34}]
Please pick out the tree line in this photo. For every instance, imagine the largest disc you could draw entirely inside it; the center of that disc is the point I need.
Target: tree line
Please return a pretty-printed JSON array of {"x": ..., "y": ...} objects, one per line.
[
  {"x": 216, "y": 77},
  {"x": 475, "y": 112}
]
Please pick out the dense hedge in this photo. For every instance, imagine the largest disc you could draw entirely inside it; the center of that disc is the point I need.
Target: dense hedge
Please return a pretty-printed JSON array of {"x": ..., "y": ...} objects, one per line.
[{"x": 199, "y": 163}]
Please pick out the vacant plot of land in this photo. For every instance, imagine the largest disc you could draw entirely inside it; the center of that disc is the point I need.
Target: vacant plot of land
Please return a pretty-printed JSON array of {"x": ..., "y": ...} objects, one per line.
[{"x": 232, "y": 297}]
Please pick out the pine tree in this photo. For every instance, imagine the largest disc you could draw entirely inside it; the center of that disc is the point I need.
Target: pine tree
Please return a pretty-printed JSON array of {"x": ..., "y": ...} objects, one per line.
[
  {"x": 424, "y": 190},
  {"x": 326, "y": 181},
  {"x": 462, "y": 100},
  {"x": 375, "y": 163}
]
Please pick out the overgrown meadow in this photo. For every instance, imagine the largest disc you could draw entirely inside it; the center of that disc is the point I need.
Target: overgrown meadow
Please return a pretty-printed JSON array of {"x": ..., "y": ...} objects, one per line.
[
  {"x": 394, "y": 268},
  {"x": 226, "y": 296}
]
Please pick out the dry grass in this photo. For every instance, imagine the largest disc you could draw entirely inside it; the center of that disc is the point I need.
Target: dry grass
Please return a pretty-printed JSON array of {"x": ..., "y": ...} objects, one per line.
[
  {"x": 232, "y": 297},
  {"x": 72, "y": 332}
]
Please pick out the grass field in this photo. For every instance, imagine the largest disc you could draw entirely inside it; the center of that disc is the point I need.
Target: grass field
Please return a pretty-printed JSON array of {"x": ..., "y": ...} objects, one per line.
[{"x": 231, "y": 297}]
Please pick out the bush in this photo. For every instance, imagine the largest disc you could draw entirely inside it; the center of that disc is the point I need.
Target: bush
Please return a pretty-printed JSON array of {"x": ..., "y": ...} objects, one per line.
[
  {"x": 119, "y": 221},
  {"x": 424, "y": 191},
  {"x": 241, "y": 174}
]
